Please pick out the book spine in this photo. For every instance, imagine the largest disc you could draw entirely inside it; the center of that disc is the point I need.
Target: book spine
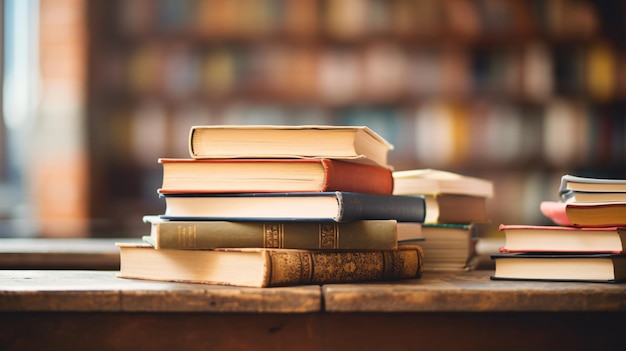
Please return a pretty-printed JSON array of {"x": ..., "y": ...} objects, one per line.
[
  {"x": 376, "y": 234},
  {"x": 354, "y": 206},
  {"x": 325, "y": 267},
  {"x": 355, "y": 177}
]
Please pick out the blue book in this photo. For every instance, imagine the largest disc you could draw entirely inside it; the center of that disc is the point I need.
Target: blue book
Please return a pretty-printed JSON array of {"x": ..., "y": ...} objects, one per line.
[{"x": 298, "y": 206}]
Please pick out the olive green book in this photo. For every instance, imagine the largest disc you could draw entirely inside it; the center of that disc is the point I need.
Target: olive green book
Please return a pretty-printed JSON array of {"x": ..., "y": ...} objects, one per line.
[{"x": 200, "y": 234}]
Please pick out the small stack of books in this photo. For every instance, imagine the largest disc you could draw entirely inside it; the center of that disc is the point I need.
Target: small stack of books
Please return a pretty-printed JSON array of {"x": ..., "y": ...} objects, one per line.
[
  {"x": 454, "y": 204},
  {"x": 587, "y": 242},
  {"x": 279, "y": 205}
]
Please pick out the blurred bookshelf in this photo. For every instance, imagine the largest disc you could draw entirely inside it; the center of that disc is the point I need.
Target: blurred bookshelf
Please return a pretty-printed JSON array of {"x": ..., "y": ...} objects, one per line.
[{"x": 518, "y": 92}]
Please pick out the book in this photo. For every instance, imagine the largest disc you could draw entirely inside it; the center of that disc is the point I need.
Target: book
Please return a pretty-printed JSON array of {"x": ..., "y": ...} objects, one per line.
[
  {"x": 600, "y": 214},
  {"x": 455, "y": 209},
  {"x": 269, "y": 267},
  {"x": 353, "y": 143},
  {"x": 560, "y": 267},
  {"x": 532, "y": 238},
  {"x": 592, "y": 196},
  {"x": 433, "y": 182},
  {"x": 409, "y": 232},
  {"x": 374, "y": 234},
  {"x": 589, "y": 184},
  {"x": 272, "y": 175},
  {"x": 585, "y": 189},
  {"x": 447, "y": 247},
  {"x": 313, "y": 206}
]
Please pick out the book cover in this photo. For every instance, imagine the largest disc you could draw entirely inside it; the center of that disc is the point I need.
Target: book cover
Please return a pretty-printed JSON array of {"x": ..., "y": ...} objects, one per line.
[
  {"x": 602, "y": 268},
  {"x": 272, "y": 175},
  {"x": 354, "y": 143},
  {"x": 525, "y": 238},
  {"x": 600, "y": 214},
  {"x": 374, "y": 234},
  {"x": 269, "y": 267},
  {"x": 312, "y": 206}
]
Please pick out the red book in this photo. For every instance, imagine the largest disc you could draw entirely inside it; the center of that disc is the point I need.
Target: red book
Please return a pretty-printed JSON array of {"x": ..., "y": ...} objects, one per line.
[
  {"x": 599, "y": 214},
  {"x": 272, "y": 175}
]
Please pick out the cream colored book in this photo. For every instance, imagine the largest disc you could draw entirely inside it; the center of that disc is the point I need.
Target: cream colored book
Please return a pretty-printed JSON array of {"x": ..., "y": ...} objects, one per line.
[
  {"x": 434, "y": 182},
  {"x": 269, "y": 267},
  {"x": 353, "y": 143}
]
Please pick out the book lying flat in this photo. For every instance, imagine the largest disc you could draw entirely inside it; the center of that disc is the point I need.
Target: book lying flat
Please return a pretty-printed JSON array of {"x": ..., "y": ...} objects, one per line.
[
  {"x": 272, "y": 175},
  {"x": 371, "y": 234},
  {"x": 592, "y": 196},
  {"x": 596, "y": 214},
  {"x": 354, "y": 143},
  {"x": 269, "y": 267},
  {"x": 524, "y": 238},
  {"x": 315, "y": 206},
  {"x": 587, "y": 189},
  {"x": 455, "y": 209},
  {"x": 590, "y": 184},
  {"x": 447, "y": 247},
  {"x": 609, "y": 268},
  {"x": 433, "y": 182}
]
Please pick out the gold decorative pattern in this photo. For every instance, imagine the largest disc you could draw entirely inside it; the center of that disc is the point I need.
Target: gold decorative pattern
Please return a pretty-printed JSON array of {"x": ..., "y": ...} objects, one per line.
[
  {"x": 273, "y": 234},
  {"x": 294, "y": 267},
  {"x": 187, "y": 236},
  {"x": 329, "y": 235}
]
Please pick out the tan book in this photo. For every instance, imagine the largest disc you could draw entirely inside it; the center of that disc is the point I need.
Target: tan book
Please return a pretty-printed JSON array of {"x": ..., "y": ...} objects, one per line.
[
  {"x": 609, "y": 268},
  {"x": 268, "y": 267},
  {"x": 533, "y": 238},
  {"x": 357, "y": 144},
  {"x": 434, "y": 182},
  {"x": 455, "y": 209},
  {"x": 373, "y": 234},
  {"x": 447, "y": 247}
]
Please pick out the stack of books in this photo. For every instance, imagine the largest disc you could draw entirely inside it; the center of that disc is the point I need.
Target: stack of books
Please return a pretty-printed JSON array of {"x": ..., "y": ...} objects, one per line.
[
  {"x": 279, "y": 205},
  {"x": 586, "y": 243},
  {"x": 454, "y": 204}
]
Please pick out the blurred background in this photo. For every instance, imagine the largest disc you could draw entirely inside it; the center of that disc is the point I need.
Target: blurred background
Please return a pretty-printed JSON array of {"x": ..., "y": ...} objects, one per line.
[{"x": 95, "y": 91}]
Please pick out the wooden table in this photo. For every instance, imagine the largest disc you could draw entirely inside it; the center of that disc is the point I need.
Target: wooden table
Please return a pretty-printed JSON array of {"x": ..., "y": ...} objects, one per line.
[
  {"x": 61, "y": 253},
  {"x": 94, "y": 310}
]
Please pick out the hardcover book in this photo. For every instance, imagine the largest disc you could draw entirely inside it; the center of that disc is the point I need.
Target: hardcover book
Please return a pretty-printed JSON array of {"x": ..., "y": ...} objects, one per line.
[
  {"x": 610, "y": 268},
  {"x": 374, "y": 234},
  {"x": 586, "y": 189},
  {"x": 447, "y": 247},
  {"x": 434, "y": 182},
  {"x": 455, "y": 209},
  {"x": 589, "y": 184},
  {"x": 269, "y": 267},
  {"x": 272, "y": 175},
  {"x": 525, "y": 238},
  {"x": 311, "y": 206},
  {"x": 356, "y": 144},
  {"x": 600, "y": 214}
]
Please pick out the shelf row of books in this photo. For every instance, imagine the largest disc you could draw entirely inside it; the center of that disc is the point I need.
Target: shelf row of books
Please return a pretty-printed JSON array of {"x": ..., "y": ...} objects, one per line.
[
  {"x": 586, "y": 242},
  {"x": 354, "y": 19},
  {"x": 378, "y": 71},
  {"x": 446, "y": 135},
  {"x": 252, "y": 207}
]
